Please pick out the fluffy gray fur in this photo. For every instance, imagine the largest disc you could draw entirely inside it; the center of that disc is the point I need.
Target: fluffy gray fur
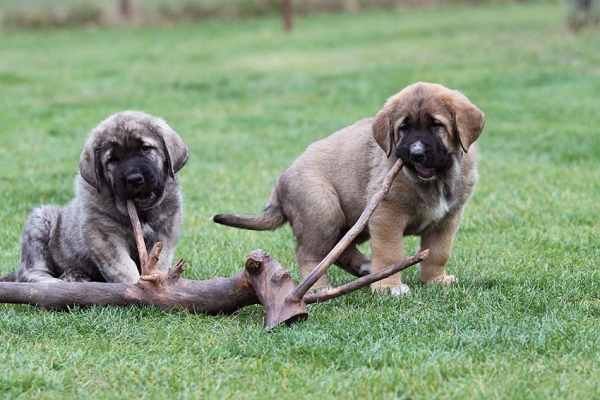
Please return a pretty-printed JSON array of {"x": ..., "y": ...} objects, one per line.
[{"x": 91, "y": 238}]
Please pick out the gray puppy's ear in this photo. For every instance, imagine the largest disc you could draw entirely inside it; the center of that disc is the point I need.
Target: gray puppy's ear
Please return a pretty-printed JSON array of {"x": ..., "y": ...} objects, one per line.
[
  {"x": 469, "y": 121},
  {"x": 383, "y": 130},
  {"x": 90, "y": 164},
  {"x": 175, "y": 149}
]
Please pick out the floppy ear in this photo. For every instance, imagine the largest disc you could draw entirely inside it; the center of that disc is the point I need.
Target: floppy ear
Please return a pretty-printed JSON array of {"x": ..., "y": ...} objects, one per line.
[
  {"x": 175, "y": 149},
  {"x": 469, "y": 122},
  {"x": 90, "y": 165},
  {"x": 383, "y": 130}
]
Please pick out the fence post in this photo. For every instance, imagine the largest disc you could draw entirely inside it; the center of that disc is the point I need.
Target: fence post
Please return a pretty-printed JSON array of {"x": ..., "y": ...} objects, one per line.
[
  {"x": 287, "y": 15},
  {"x": 125, "y": 9}
]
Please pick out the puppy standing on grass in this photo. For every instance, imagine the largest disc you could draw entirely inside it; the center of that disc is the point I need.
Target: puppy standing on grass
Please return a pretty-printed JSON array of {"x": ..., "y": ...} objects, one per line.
[
  {"x": 324, "y": 191},
  {"x": 130, "y": 155}
]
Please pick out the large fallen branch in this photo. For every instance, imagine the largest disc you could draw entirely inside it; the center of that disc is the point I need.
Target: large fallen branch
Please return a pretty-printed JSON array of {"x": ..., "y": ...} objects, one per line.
[
  {"x": 214, "y": 296},
  {"x": 262, "y": 281}
]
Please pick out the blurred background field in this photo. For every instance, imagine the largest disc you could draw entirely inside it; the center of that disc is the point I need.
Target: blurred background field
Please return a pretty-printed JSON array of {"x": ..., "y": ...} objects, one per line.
[
  {"x": 521, "y": 323},
  {"x": 63, "y": 13}
]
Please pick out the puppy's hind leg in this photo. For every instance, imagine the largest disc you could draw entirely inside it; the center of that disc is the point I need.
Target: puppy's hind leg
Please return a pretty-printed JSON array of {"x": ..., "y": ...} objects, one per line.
[
  {"x": 308, "y": 260},
  {"x": 314, "y": 212},
  {"x": 36, "y": 263},
  {"x": 354, "y": 262},
  {"x": 312, "y": 247}
]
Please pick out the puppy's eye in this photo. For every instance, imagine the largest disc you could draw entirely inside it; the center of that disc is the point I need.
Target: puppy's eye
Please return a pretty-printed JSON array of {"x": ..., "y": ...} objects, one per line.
[
  {"x": 437, "y": 123},
  {"x": 403, "y": 127},
  {"x": 112, "y": 159},
  {"x": 146, "y": 148}
]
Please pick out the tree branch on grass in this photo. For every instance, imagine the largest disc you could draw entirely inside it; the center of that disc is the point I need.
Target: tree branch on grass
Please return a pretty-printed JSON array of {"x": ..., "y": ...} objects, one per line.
[{"x": 262, "y": 281}]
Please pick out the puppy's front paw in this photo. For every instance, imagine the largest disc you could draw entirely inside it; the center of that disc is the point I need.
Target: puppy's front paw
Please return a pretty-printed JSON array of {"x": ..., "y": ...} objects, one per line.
[
  {"x": 364, "y": 270},
  {"x": 401, "y": 290},
  {"x": 444, "y": 280},
  {"x": 318, "y": 289},
  {"x": 395, "y": 290},
  {"x": 448, "y": 279},
  {"x": 75, "y": 276}
]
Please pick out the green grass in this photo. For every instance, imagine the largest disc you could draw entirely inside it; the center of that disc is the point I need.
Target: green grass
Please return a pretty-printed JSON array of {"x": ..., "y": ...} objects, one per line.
[{"x": 522, "y": 322}]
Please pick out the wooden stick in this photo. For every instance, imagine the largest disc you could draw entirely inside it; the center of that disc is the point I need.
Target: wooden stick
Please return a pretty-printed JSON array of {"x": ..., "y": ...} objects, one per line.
[
  {"x": 214, "y": 296},
  {"x": 263, "y": 280},
  {"x": 148, "y": 261},
  {"x": 139, "y": 237},
  {"x": 367, "y": 279},
  {"x": 343, "y": 244}
]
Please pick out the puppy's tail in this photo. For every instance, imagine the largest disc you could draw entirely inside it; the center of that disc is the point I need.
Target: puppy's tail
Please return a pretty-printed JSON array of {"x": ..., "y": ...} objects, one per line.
[{"x": 270, "y": 219}]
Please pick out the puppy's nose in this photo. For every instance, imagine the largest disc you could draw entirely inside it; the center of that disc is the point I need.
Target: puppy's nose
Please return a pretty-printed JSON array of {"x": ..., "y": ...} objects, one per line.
[
  {"x": 135, "y": 180},
  {"x": 417, "y": 152}
]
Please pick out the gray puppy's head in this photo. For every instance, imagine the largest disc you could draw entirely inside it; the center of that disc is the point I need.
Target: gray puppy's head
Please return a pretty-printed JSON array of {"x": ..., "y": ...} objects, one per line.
[{"x": 132, "y": 154}]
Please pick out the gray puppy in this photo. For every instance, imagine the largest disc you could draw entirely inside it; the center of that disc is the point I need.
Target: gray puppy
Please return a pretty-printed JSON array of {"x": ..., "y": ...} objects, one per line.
[
  {"x": 324, "y": 191},
  {"x": 130, "y": 155}
]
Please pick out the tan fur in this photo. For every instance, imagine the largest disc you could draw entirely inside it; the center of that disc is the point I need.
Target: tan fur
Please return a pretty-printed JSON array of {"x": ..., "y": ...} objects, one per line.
[{"x": 325, "y": 190}]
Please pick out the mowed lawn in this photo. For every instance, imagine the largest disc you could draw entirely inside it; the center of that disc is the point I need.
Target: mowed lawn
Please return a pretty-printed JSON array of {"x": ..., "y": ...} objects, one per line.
[{"x": 524, "y": 320}]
